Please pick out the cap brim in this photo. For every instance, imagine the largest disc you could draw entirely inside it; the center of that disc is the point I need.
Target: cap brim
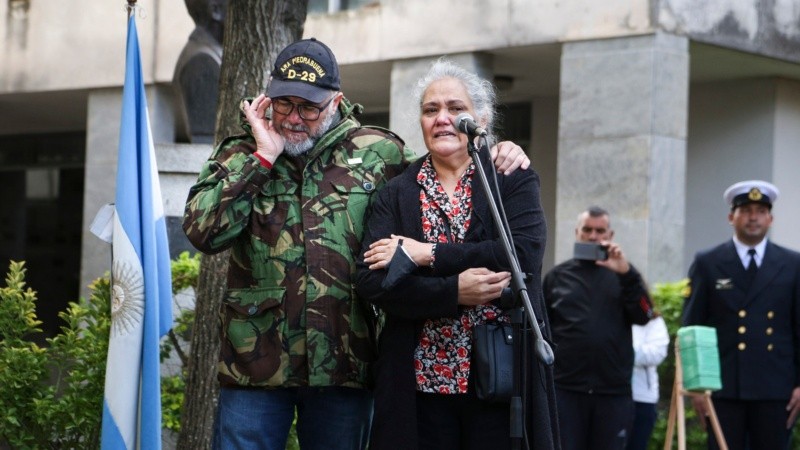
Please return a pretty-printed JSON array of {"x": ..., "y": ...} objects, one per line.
[
  {"x": 279, "y": 88},
  {"x": 747, "y": 202}
]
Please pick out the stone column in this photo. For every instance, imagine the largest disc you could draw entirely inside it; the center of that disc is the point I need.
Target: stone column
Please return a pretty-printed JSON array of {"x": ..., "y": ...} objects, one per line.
[
  {"x": 404, "y": 109},
  {"x": 544, "y": 159},
  {"x": 102, "y": 140},
  {"x": 622, "y": 146},
  {"x": 104, "y": 112},
  {"x": 785, "y": 161}
]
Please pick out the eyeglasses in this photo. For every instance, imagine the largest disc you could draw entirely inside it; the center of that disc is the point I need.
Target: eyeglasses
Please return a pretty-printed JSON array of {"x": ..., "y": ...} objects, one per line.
[{"x": 307, "y": 111}]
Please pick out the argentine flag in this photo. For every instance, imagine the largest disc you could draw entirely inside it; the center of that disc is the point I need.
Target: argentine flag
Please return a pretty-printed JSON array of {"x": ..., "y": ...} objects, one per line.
[{"x": 141, "y": 297}]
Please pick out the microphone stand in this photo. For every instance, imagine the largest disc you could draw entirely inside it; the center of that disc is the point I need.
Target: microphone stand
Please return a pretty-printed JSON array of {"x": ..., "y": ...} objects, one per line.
[{"x": 543, "y": 350}]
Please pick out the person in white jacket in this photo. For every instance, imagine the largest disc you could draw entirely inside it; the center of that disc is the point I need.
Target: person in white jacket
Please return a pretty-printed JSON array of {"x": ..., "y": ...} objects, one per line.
[{"x": 650, "y": 346}]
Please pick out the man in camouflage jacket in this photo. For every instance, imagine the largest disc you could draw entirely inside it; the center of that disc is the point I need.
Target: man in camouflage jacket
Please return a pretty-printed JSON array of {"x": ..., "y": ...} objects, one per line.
[
  {"x": 293, "y": 333},
  {"x": 287, "y": 315}
]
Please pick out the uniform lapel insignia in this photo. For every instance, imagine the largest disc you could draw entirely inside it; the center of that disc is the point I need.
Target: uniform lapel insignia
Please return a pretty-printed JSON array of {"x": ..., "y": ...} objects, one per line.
[{"x": 724, "y": 283}]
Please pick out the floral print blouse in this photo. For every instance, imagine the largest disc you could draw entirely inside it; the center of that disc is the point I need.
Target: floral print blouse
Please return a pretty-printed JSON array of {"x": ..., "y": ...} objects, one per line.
[{"x": 442, "y": 356}]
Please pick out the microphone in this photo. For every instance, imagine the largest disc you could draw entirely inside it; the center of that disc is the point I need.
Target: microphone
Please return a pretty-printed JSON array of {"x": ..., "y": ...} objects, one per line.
[{"x": 467, "y": 125}]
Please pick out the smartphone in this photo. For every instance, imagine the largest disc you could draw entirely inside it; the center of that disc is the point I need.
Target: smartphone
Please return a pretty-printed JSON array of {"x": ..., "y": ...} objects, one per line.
[{"x": 590, "y": 251}]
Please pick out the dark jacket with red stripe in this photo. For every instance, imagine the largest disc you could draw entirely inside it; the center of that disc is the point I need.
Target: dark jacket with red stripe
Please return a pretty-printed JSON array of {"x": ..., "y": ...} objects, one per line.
[{"x": 591, "y": 309}]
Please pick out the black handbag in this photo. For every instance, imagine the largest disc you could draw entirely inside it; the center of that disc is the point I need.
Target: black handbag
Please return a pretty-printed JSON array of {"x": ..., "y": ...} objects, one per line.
[{"x": 493, "y": 361}]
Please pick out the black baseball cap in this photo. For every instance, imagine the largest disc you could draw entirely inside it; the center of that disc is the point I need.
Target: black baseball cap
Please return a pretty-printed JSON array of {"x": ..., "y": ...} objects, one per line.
[{"x": 305, "y": 69}]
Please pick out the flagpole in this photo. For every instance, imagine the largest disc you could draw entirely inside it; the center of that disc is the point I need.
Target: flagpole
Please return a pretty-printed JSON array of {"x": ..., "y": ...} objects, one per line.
[{"x": 141, "y": 309}]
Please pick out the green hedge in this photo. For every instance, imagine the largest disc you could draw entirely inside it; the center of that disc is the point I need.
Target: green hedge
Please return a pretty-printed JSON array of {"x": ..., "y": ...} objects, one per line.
[
  {"x": 52, "y": 395},
  {"x": 668, "y": 299}
]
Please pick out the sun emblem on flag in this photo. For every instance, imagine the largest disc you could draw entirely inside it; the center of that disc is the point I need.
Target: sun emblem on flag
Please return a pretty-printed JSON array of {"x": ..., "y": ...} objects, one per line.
[{"x": 127, "y": 298}]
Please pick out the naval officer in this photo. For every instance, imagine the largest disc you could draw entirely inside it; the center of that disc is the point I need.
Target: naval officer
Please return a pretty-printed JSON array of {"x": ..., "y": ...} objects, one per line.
[{"x": 748, "y": 288}]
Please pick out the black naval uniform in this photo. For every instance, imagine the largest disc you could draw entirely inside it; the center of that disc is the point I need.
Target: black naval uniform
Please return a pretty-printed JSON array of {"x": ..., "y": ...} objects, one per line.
[{"x": 758, "y": 334}]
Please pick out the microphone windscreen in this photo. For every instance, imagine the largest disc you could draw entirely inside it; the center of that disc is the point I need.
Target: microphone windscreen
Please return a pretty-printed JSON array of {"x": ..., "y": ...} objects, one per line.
[{"x": 462, "y": 122}]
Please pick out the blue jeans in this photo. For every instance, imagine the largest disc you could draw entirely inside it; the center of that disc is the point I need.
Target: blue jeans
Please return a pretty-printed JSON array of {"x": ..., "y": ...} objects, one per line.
[{"x": 328, "y": 418}]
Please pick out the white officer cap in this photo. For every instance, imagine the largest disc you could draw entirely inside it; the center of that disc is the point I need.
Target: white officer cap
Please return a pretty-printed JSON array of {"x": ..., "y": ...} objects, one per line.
[{"x": 751, "y": 191}]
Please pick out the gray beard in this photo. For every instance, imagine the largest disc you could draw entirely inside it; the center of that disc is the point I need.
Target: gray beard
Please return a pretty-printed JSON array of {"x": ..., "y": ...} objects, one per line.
[{"x": 301, "y": 148}]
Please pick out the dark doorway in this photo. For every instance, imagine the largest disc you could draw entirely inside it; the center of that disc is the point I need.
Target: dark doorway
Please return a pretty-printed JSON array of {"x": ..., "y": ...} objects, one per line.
[{"x": 41, "y": 218}]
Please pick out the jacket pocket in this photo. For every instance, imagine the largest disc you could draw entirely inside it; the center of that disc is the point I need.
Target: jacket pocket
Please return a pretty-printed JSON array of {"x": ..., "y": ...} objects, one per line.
[
  {"x": 358, "y": 186},
  {"x": 253, "y": 302},
  {"x": 354, "y": 190},
  {"x": 273, "y": 209}
]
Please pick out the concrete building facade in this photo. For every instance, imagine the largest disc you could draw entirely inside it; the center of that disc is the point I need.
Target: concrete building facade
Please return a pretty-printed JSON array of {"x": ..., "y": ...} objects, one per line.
[{"x": 649, "y": 108}]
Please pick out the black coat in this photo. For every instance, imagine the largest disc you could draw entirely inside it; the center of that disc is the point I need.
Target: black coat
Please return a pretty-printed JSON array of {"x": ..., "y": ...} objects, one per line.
[
  {"x": 429, "y": 293},
  {"x": 591, "y": 309},
  {"x": 758, "y": 329}
]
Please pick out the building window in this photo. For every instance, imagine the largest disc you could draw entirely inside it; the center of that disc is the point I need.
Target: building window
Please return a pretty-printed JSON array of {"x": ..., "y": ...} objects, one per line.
[
  {"x": 514, "y": 120},
  {"x": 41, "y": 183},
  {"x": 332, "y": 6}
]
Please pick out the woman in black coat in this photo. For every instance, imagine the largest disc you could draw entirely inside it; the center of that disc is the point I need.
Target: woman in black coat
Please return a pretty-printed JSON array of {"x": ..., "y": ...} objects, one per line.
[{"x": 436, "y": 214}]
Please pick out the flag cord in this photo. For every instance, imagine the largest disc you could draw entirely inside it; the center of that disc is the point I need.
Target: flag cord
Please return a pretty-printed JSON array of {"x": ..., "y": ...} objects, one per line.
[{"x": 131, "y": 7}]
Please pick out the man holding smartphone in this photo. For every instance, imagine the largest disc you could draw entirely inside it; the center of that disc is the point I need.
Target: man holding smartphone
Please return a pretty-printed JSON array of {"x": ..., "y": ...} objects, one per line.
[{"x": 592, "y": 303}]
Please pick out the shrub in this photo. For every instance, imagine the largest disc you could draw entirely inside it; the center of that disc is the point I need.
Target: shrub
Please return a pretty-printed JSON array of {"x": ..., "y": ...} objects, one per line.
[
  {"x": 668, "y": 300},
  {"x": 52, "y": 395},
  {"x": 185, "y": 270}
]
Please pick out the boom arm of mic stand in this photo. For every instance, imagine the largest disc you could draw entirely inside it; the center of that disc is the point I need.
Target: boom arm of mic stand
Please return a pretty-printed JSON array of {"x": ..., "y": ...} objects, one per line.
[{"x": 543, "y": 350}]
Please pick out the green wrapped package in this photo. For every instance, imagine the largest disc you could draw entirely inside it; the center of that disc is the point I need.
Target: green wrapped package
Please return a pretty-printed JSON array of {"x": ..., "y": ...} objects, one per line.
[{"x": 700, "y": 358}]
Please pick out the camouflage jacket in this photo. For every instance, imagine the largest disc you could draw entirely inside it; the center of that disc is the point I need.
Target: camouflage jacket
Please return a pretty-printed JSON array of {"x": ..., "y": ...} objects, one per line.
[{"x": 290, "y": 316}]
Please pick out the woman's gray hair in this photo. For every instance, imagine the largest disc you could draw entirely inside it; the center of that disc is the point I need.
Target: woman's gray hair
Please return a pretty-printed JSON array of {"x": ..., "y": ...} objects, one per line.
[{"x": 481, "y": 91}]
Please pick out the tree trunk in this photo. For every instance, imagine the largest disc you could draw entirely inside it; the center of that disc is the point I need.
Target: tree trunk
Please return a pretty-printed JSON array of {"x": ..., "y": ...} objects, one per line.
[
  {"x": 255, "y": 31},
  {"x": 200, "y": 396}
]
